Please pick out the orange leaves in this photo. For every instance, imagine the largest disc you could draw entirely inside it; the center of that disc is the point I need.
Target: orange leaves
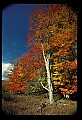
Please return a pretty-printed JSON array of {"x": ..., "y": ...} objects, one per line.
[
  {"x": 55, "y": 28},
  {"x": 52, "y": 23},
  {"x": 70, "y": 88},
  {"x": 18, "y": 78},
  {"x": 61, "y": 65},
  {"x": 70, "y": 91},
  {"x": 58, "y": 83},
  {"x": 73, "y": 65},
  {"x": 26, "y": 69},
  {"x": 68, "y": 80},
  {"x": 18, "y": 86},
  {"x": 51, "y": 27},
  {"x": 66, "y": 91},
  {"x": 74, "y": 77}
]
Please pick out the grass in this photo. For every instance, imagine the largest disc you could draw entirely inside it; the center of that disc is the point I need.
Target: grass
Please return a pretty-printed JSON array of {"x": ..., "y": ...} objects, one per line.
[{"x": 31, "y": 105}]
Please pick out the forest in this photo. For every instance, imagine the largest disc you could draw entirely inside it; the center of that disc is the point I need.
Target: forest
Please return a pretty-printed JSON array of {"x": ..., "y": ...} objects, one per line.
[{"x": 46, "y": 75}]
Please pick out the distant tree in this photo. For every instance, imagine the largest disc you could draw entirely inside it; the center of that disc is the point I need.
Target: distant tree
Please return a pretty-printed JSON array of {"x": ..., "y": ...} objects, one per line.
[
  {"x": 18, "y": 77},
  {"x": 25, "y": 70}
]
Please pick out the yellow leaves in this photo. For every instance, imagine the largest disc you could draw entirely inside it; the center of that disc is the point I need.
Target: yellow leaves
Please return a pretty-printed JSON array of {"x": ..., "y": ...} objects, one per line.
[
  {"x": 61, "y": 65},
  {"x": 56, "y": 73},
  {"x": 58, "y": 78},
  {"x": 62, "y": 44},
  {"x": 56, "y": 29},
  {"x": 58, "y": 65},
  {"x": 21, "y": 74},
  {"x": 20, "y": 68},
  {"x": 57, "y": 83}
]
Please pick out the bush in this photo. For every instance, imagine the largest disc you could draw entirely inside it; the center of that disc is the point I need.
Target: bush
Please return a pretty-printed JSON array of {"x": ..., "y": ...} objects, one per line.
[{"x": 9, "y": 97}]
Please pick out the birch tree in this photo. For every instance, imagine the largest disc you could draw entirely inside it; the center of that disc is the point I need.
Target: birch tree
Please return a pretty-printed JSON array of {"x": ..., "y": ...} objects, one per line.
[{"x": 52, "y": 27}]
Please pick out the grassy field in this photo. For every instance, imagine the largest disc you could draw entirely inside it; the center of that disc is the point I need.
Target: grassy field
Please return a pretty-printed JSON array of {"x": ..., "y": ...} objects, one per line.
[{"x": 32, "y": 105}]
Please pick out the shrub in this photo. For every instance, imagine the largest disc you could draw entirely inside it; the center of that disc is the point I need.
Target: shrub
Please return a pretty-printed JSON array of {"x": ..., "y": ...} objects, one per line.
[{"x": 9, "y": 97}]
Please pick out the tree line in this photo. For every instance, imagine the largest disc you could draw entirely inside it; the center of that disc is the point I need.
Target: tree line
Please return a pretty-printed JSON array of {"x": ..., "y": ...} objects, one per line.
[{"x": 51, "y": 60}]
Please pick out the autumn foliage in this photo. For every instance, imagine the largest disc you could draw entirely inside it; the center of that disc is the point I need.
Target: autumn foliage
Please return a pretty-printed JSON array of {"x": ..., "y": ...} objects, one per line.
[
  {"x": 55, "y": 28},
  {"x": 24, "y": 70}
]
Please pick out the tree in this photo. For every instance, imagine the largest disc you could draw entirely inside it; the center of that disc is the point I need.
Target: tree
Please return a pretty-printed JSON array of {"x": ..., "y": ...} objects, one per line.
[
  {"x": 52, "y": 35},
  {"x": 25, "y": 69},
  {"x": 53, "y": 29},
  {"x": 18, "y": 78},
  {"x": 67, "y": 68}
]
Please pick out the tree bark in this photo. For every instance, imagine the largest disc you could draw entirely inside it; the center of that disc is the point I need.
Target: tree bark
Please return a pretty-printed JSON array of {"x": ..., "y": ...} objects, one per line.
[
  {"x": 44, "y": 86},
  {"x": 49, "y": 83},
  {"x": 50, "y": 87}
]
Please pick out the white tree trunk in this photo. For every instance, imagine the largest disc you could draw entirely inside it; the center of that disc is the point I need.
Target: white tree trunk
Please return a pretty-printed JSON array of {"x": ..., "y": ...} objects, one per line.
[
  {"x": 50, "y": 87},
  {"x": 49, "y": 83}
]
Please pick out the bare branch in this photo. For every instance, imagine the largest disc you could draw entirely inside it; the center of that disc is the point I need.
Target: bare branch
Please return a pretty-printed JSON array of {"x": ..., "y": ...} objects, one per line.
[{"x": 44, "y": 86}]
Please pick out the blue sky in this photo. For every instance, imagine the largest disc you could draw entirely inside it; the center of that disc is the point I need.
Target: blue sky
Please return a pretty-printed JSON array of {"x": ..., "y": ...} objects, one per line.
[{"x": 15, "y": 22}]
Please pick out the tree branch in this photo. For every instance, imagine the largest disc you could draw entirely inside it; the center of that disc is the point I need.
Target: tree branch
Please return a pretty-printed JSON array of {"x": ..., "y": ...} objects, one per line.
[
  {"x": 44, "y": 86},
  {"x": 43, "y": 52}
]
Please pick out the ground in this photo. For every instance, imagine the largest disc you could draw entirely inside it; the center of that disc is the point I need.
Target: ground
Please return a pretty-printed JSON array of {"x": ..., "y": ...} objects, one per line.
[{"x": 32, "y": 105}]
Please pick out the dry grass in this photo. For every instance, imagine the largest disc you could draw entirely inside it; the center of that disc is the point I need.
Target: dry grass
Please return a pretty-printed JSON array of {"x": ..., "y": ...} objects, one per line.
[{"x": 29, "y": 104}]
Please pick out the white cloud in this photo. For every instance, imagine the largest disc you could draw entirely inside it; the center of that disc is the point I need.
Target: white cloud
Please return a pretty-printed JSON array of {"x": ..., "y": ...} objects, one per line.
[{"x": 6, "y": 67}]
